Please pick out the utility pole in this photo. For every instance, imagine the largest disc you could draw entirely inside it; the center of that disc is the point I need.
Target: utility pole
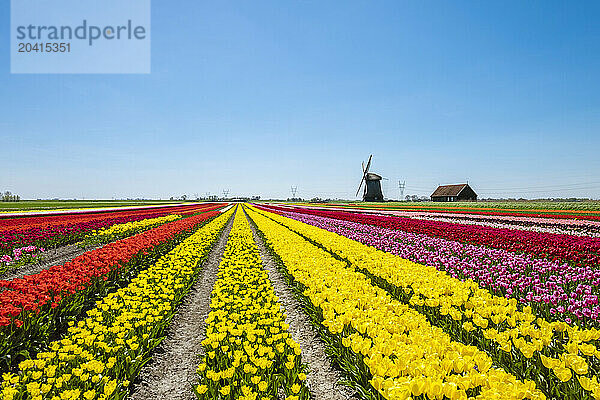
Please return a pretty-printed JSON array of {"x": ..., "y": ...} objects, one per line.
[
  {"x": 225, "y": 193},
  {"x": 401, "y": 186},
  {"x": 294, "y": 190}
]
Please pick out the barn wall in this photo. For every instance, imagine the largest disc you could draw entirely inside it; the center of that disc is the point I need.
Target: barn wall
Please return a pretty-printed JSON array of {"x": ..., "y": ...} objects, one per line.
[{"x": 467, "y": 194}]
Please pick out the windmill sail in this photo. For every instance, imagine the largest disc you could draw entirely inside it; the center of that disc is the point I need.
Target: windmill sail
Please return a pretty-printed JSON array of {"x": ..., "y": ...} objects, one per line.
[
  {"x": 365, "y": 171},
  {"x": 359, "y": 186},
  {"x": 372, "y": 183},
  {"x": 368, "y": 164}
]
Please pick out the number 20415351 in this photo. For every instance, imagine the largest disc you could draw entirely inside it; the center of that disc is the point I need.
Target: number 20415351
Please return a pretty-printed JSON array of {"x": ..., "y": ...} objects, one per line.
[{"x": 44, "y": 47}]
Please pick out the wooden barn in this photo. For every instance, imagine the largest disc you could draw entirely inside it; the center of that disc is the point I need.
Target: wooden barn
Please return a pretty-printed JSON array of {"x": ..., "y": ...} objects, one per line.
[{"x": 462, "y": 192}]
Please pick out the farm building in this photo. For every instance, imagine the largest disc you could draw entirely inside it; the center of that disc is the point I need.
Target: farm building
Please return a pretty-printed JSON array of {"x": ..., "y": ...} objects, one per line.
[{"x": 461, "y": 192}]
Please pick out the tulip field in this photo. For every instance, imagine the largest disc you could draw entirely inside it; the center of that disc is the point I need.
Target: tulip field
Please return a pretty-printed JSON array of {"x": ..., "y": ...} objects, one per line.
[
  {"x": 405, "y": 305},
  {"x": 586, "y": 210},
  {"x": 33, "y": 235}
]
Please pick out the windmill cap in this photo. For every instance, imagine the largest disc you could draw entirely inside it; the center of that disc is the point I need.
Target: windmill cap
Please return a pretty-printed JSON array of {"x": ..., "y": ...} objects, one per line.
[{"x": 373, "y": 177}]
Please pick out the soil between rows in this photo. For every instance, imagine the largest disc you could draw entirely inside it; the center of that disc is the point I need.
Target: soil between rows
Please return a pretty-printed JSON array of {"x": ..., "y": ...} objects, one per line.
[{"x": 172, "y": 371}]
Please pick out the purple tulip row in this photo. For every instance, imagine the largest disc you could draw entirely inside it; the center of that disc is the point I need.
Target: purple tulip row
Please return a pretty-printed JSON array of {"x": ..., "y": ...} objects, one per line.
[{"x": 557, "y": 291}]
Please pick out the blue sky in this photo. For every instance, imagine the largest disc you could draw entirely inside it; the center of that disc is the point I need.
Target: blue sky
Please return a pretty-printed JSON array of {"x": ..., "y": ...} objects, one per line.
[{"x": 258, "y": 96}]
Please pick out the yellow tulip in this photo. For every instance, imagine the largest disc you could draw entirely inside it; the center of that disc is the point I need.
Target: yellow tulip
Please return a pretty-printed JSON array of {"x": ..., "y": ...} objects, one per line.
[{"x": 564, "y": 374}]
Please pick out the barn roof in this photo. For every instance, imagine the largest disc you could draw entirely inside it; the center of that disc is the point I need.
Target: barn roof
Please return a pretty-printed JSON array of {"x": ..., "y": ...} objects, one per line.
[{"x": 449, "y": 190}]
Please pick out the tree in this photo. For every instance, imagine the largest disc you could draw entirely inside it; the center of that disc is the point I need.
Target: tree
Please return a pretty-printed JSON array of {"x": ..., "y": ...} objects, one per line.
[{"x": 8, "y": 196}]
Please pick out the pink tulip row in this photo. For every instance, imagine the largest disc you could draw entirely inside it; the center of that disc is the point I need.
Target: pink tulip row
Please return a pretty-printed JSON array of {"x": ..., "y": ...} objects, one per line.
[
  {"x": 558, "y": 291},
  {"x": 526, "y": 224}
]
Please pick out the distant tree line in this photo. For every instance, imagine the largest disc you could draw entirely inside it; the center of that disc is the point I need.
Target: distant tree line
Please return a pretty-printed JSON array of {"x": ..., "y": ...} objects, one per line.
[
  {"x": 8, "y": 196},
  {"x": 414, "y": 197}
]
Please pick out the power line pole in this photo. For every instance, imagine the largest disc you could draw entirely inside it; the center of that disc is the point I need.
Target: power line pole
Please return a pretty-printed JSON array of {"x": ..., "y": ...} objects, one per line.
[
  {"x": 225, "y": 193},
  {"x": 401, "y": 186},
  {"x": 294, "y": 190}
]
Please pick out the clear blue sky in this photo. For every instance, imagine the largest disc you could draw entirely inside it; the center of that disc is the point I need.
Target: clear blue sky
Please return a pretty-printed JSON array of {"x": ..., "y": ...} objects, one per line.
[{"x": 258, "y": 96}]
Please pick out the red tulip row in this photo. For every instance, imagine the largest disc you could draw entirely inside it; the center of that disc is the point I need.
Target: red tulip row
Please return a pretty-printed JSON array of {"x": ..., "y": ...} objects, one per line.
[
  {"x": 55, "y": 231},
  {"x": 33, "y": 307},
  {"x": 579, "y": 251},
  {"x": 8, "y": 223}
]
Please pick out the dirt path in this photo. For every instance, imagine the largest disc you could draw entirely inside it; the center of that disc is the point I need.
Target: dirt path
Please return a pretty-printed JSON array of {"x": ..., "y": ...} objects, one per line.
[
  {"x": 172, "y": 370},
  {"x": 50, "y": 258},
  {"x": 323, "y": 377}
]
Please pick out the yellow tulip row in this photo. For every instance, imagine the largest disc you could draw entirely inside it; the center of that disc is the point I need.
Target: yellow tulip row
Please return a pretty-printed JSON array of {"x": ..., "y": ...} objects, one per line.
[
  {"x": 495, "y": 323},
  {"x": 99, "y": 355},
  {"x": 249, "y": 353},
  {"x": 127, "y": 229},
  {"x": 402, "y": 353}
]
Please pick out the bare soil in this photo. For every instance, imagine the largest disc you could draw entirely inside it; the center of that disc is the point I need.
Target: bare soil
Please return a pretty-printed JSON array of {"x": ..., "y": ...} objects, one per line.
[{"x": 172, "y": 371}]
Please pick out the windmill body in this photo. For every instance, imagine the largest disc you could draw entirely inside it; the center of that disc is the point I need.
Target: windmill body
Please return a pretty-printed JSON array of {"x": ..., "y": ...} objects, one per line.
[{"x": 372, "y": 191}]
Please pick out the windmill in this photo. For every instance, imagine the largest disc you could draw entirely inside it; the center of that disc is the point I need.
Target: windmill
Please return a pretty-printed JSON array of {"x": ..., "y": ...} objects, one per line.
[{"x": 372, "y": 181}]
